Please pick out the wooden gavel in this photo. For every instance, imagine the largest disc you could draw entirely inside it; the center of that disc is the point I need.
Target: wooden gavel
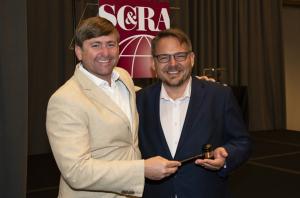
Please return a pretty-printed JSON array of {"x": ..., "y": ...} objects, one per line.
[{"x": 207, "y": 153}]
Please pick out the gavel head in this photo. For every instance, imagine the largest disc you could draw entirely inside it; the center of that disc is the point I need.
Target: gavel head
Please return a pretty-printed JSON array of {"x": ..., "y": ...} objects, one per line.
[{"x": 208, "y": 151}]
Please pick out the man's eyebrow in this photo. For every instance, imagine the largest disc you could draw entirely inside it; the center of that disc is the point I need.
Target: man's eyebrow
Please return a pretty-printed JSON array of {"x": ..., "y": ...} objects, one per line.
[{"x": 94, "y": 42}]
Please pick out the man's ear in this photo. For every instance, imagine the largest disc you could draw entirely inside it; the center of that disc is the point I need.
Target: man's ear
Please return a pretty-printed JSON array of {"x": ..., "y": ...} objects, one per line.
[
  {"x": 153, "y": 65},
  {"x": 192, "y": 58},
  {"x": 153, "y": 68},
  {"x": 78, "y": 52}
]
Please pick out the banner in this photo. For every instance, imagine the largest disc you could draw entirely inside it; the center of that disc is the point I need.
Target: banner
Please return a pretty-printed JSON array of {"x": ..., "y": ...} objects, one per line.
[{"x": 138, "y": 21}]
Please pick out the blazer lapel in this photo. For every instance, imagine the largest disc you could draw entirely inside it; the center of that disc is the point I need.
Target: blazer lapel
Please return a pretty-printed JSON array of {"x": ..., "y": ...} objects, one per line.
[
  {"x": 98, "y": 96},
  {"x": 159, "y": 130},
  {"x": 132, "y": 99},
  {"x": 197, "y": 97}
]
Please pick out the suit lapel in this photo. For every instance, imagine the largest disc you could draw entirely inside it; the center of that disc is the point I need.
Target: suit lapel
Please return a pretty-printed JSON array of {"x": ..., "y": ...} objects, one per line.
[
  {"x": 132, "y": 99},
  {"x": 98, "y": 96},
  {"x": 159, "y": 130},
  {"x": 197, "y": 97}
]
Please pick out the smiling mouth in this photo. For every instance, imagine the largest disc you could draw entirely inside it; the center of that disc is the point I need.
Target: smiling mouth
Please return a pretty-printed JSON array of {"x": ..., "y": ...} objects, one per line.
[
  {"x": 173, "y": 72},
  {"x": 103, "y": 61}
]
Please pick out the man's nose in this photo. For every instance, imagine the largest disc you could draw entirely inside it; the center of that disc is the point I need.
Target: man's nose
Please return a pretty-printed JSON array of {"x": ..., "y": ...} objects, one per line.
[
  {"x": 104, "y": 51},
  {"x": 172, "y": 60}
]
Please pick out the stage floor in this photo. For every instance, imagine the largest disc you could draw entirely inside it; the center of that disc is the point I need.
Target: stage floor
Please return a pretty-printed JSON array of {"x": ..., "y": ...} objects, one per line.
[{"x": 272, "y": 171}]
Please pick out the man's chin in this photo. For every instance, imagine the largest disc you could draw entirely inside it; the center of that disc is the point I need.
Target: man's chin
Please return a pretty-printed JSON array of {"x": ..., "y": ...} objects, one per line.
[{"x": 173, "y": 83}]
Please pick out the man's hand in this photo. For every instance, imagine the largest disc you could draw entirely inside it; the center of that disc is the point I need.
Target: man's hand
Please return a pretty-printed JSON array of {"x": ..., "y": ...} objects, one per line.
[
  {"x": 220, "y": 155},
  {"x": 157, "y": 168},
  {"x": 206, "y": 78}
]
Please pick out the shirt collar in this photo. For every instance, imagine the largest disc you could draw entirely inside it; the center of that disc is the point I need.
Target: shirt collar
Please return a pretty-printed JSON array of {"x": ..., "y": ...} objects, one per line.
[
  {"x": 187, "y": 92},
  {"x": 98, "y": 81}
]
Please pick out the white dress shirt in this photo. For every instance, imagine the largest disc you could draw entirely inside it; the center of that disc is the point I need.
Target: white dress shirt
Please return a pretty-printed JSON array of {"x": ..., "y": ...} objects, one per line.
[
  {"x": 172, "y": 116},
  {"x": 118, "y": 92}
]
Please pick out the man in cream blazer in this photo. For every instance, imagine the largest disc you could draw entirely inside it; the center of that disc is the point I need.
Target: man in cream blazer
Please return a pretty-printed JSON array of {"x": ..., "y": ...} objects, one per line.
[{"x": 92, "y": 123}]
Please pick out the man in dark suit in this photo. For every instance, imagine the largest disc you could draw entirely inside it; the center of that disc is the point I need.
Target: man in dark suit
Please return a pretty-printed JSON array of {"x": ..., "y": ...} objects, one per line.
[{"x": 180, "y": 114}]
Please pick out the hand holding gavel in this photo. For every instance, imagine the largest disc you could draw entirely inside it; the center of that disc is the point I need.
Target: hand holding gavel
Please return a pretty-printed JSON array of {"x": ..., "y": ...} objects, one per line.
[
  {"x": 217, "y": 162},
  {"x": 207, "y": 153},
  {"x": 209, "y": 158}
]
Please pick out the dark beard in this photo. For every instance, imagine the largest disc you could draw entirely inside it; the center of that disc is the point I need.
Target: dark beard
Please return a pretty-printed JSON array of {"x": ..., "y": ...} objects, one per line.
[
  {"x": 180, "y": 82},
  {"x": 176, "y": 67}
]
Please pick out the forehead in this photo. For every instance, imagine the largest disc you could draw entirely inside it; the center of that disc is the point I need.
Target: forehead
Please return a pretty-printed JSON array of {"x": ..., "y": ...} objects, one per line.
[
  {"x": 103, "y": 39},
  {"x": 170, "y": 45}
]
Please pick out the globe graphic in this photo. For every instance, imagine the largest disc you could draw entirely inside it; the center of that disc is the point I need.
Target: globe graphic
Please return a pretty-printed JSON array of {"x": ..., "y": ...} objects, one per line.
[{"x": 135, "y": 55}]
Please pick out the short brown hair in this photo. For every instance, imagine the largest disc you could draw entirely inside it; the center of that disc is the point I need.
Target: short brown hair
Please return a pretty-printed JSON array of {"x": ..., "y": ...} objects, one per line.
[
  {"x": 94, "y": 27},
  {"x": 172, "y": 32}
]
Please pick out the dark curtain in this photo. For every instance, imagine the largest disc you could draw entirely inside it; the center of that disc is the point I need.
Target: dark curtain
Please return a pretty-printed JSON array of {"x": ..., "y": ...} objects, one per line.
[
  {"x": 243, "y": 39},
  {"x": 13, "y": 99},
  {"x": 50, "y": 32}
]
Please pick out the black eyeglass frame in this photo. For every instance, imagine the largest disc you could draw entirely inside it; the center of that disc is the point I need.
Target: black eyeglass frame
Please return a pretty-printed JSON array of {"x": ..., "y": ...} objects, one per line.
[{"x": 176, "y": 57}]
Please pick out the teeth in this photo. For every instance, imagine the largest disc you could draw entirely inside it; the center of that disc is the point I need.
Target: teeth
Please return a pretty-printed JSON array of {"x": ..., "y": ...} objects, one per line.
[
  {"x": 103, "y": 61},
  {"x": 173, "y": 72}
]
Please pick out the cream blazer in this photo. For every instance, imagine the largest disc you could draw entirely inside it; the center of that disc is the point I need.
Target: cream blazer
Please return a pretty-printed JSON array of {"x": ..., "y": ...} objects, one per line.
[{"x": 94, "y": 146}]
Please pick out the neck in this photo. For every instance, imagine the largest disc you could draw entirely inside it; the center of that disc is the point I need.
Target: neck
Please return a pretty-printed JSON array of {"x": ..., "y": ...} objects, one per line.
[
  {"x": 107, "y": 78},
  {"x": 175, "y": 92}
]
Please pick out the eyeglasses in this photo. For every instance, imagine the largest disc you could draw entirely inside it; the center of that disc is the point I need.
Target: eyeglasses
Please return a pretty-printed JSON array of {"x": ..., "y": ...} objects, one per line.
[{"x": 165, "y": 58}]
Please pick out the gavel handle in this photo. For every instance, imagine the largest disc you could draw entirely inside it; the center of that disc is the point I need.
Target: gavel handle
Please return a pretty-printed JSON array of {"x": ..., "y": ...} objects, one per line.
[{"x": 192, "y": 158}]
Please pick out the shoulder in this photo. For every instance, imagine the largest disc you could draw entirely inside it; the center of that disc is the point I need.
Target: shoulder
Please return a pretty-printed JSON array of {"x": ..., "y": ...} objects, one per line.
[
  {"x": 68, "y": 93},
  {"x": 209, "y": 86},
  {"x": 148, "y": 96},
  {"x": 149, "y": 90}
]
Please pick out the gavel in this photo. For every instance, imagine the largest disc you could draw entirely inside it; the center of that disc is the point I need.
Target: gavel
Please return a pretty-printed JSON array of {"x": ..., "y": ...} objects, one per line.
[{"x": 207, "y": 153}]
